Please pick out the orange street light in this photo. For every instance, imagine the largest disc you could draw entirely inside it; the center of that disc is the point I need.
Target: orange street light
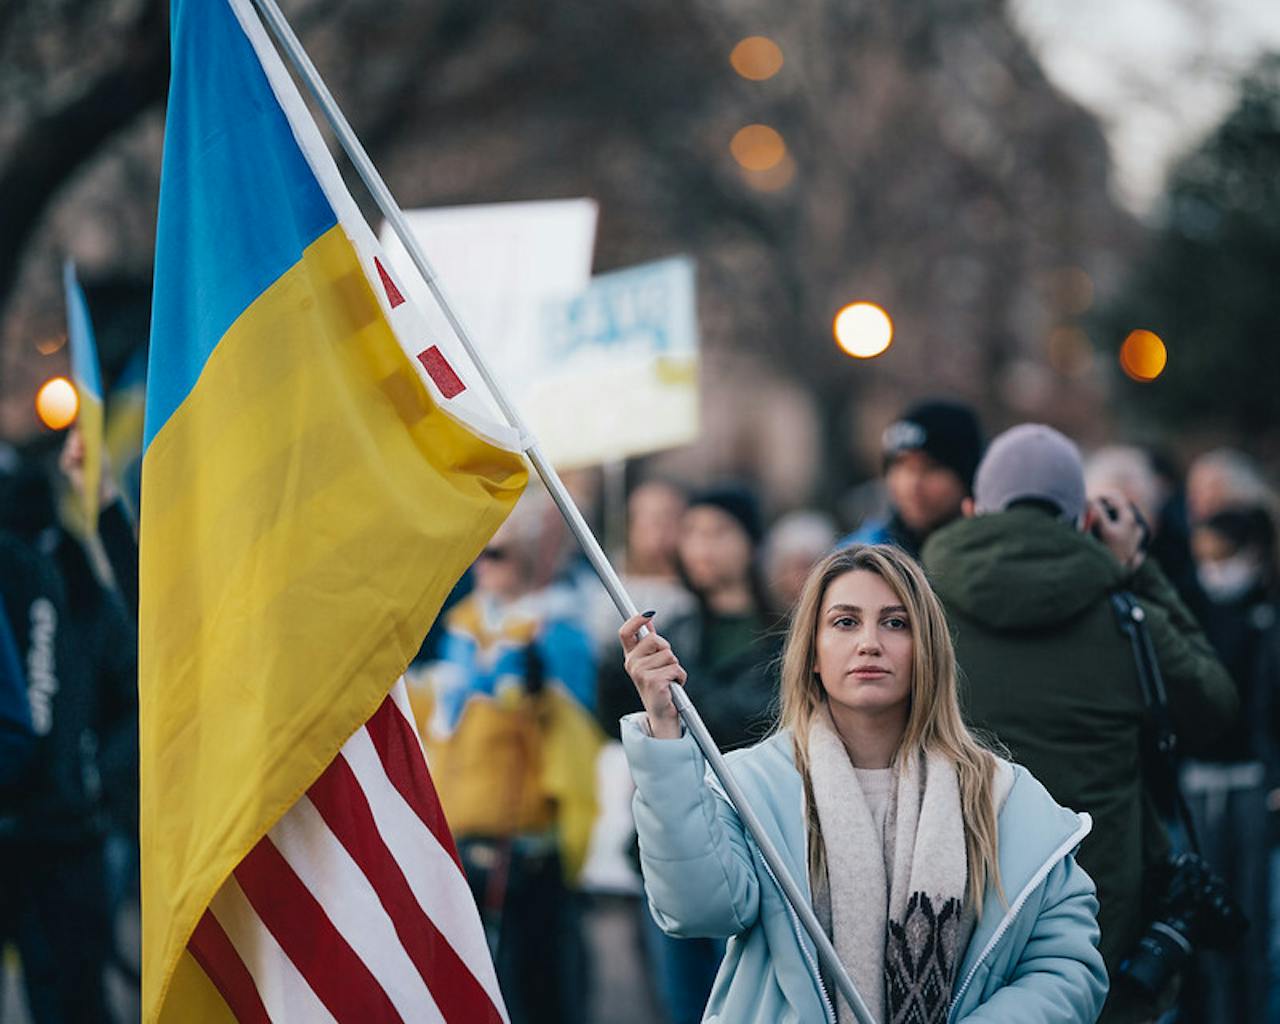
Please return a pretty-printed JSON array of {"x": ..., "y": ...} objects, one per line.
[
  {"x": 57, "y": 403},
  {"x": 757, "y": 58},
  {"x": 757, "y": 147},
  {"x": 863, "y": 330},
  {"x": 1143, "y": 356}
]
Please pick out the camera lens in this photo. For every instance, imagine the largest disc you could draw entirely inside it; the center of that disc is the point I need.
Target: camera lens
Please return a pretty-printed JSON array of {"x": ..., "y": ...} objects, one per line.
[{"x": 1161, "y": 953}]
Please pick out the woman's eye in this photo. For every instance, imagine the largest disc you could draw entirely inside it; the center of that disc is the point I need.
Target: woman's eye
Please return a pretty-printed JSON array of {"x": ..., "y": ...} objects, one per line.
[
  {"x": 843, "y": 622},
  {"x": 897, "y": 622}
]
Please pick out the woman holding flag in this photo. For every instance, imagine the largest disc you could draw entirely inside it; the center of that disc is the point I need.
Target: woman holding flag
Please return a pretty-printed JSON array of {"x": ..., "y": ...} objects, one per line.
[{"x": 943, "y": 874}]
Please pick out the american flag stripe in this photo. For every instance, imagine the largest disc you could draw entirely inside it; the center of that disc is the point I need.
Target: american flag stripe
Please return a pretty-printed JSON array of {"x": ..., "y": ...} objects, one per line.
[
  {"x": 214, "y": 952},
  {"x": 323, "y": 865},
  {"x": 294, "y": 916},
  {"x": 438, "y": 884},
  {"x": 281, "y": 986},
  {"x": 342, "y": 804},
  {"x": 400, "y": 751},
  {"x": 353, "y": 908}
]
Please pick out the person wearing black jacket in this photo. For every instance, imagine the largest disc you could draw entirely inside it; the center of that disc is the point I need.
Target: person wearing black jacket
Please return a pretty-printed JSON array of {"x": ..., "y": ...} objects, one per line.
[
  {"x": 1226, "y": 783},
  {"x": 16, "y": 737},
  {"x": 79, "y": 649}
]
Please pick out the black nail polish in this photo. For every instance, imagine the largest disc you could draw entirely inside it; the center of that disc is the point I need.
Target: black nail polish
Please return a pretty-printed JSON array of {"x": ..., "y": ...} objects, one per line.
[{"x": 649, "y": 615}]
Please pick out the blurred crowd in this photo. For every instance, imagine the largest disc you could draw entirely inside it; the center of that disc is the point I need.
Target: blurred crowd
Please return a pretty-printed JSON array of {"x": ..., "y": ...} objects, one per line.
[{"x": 1034, "y": 548}]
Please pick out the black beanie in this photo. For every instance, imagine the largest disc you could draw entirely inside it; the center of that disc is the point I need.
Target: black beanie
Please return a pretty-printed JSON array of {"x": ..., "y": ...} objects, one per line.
[
  {"x": 736, "y": 500},
  {"x": 946, "y": 431}
]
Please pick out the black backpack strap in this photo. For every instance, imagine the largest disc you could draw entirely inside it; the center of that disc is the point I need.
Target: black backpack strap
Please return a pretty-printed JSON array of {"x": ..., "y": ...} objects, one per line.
[{"x": 1132, "y": 620}]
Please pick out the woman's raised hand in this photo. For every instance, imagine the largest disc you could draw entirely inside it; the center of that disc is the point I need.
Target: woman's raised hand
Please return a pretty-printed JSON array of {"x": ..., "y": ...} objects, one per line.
[{"x": 653, "y": 667}]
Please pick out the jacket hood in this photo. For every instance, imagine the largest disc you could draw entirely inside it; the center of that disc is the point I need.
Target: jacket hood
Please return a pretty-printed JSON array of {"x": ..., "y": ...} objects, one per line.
[{"x": 1019, "y": 569}]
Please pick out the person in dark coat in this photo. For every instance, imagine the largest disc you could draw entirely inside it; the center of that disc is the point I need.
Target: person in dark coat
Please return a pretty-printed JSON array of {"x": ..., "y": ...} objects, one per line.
[
  {"x": 79, "y": 651},
  {"x": 16, "y": 738},
  {"x": 1226, "y": 783},
  {"x": 1048, "y": 672}
]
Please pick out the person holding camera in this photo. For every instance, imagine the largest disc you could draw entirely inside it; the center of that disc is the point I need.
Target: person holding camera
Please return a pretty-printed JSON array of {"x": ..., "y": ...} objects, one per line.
[{"x": 1027, "y": 579}]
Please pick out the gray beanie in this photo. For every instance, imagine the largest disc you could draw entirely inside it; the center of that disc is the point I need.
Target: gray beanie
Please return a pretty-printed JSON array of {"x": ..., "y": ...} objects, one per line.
[{"x": 1031, "y": 462}]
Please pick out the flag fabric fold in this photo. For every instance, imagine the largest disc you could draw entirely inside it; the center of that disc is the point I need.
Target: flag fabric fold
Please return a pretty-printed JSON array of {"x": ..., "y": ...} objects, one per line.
[{"x": 309, "y": 497}]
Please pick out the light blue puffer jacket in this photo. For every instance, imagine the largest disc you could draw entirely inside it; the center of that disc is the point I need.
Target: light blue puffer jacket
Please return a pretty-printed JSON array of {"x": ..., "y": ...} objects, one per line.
[{"x": 1033, "y": 960}]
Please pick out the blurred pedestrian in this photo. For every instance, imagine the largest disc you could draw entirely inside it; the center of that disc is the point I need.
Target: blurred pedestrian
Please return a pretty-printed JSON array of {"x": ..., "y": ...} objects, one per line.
[
  {"x": 507, "y": 720},
  {"x": 1226, "y": 784},
  {"x": 654, "y": 508},
  {"x": 79, "y": 651},
  {"x": 1223, "y": 478},
  {"x": 793, "y": 546},
  {"x": 730, "y": 647},
  {"x": 1126, "y": 470},
  {"x": 730, "y": 639},
  {"x": 16, "y": 738},
  {"x": 943, "y": 874},
  {"x": 930, "y": 454},
  {"x": 1026, "y": 586},
  {"x": 650, "y": 573}
]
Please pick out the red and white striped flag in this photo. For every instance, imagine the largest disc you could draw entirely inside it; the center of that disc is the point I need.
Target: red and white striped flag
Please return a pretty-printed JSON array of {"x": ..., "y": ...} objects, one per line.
[{"x": 354, "y": 906}]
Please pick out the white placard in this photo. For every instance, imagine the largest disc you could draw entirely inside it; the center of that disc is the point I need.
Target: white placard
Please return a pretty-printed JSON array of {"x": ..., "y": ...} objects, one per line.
[{"x": 620, "y": 367}]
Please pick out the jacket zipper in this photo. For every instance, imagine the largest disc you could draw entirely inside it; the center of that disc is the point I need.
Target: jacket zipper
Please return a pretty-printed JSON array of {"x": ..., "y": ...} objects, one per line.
[
  {"x": 1074, "y": 840},
  {"x": 799, "y": 931}
]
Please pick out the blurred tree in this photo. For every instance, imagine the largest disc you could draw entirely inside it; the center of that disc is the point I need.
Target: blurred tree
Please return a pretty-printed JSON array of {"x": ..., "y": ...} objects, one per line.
[
  {"x": 928, "y": 166},
  {"x": 73, "y": 76},
  {"x": 1207, "y": 284}
]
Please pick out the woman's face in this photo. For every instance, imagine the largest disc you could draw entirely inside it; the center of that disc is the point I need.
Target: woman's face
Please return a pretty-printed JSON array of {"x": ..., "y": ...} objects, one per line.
[
  {"x": 714, "y": 548},
  {"x": 864, "y": 646}
]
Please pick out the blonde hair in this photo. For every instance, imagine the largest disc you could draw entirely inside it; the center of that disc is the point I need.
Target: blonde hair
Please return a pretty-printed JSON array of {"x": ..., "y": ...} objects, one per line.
[{"x": 934, "y": 722}]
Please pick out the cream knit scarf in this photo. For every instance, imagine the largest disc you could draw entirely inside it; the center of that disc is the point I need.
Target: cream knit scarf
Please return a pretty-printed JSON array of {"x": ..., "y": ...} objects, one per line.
[{"x": 895, "y": 910}]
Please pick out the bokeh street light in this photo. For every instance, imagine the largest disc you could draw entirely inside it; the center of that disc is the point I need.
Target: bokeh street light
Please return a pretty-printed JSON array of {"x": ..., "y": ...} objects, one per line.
[
  {"x": 757, "y": 147},
  {"x": 757, "y": 58},
  {"x": 57, "y": 403},
  {"x": 1143, "y": 356},
  {"x": 863, "y": 330}
]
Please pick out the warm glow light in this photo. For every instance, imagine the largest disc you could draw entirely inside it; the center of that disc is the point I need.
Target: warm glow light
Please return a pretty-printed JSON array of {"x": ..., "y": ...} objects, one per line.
[
  {"x": 756, "y": 58},
  {"x": 775, "y": 179},
  {"x": 863, "y": 330},
  {"x": 57, "y": 403},
  {"x": 1143, "y": 356},
  {"x": 757, "y": 147}
]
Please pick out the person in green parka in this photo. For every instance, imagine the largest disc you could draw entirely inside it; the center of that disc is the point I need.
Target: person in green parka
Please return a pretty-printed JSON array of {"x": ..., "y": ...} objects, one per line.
[{"x": 1025, "y": 579}]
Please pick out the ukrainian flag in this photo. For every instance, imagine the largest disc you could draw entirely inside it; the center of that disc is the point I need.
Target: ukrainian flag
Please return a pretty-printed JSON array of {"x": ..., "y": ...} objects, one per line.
[
  {"x": 314, "y": 481},
  {"x": 122, "y": 430},
  {"x": 87, "y": 378}
]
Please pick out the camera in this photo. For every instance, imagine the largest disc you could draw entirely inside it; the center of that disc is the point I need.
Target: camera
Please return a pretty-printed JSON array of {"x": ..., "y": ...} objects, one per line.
[
  {"x": 1194, "y": 910},
  {"x": 1113, "y": 514}
]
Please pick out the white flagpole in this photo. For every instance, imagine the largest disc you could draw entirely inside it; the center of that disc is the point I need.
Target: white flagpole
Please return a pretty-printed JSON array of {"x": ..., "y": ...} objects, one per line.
[{"x": 364, "y": 166}]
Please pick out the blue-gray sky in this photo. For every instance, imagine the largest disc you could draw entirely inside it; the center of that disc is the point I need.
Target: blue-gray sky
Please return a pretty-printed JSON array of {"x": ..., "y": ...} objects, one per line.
[{"x": 1159, "y": 73}]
